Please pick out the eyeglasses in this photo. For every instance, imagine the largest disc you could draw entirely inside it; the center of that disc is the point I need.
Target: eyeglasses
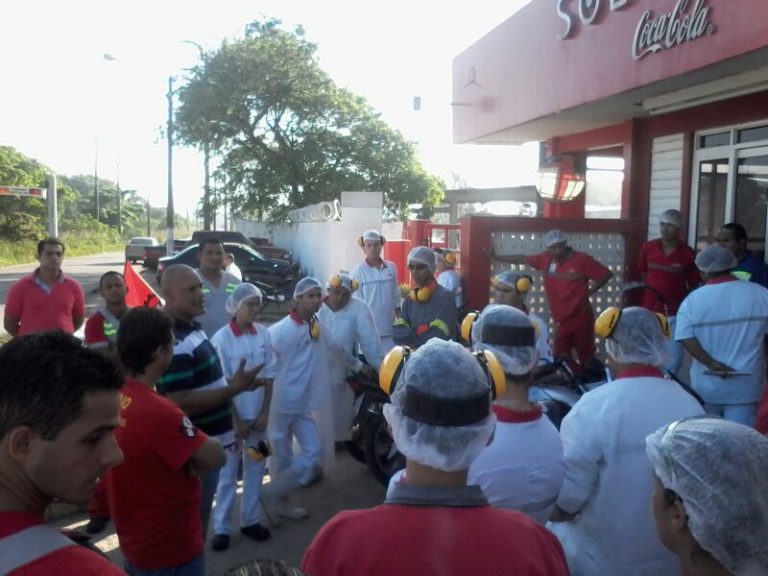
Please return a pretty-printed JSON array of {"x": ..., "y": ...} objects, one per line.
[{"x": 416, "y": 266}]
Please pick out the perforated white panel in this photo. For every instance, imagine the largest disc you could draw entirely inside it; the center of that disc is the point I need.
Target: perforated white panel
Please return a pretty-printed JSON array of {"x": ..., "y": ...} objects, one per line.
[{"x": 606, "y": 248}]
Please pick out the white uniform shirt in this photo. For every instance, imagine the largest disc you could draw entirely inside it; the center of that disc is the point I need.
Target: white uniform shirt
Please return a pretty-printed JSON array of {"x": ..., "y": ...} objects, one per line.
[
  {"x": 380, "y": 290},
  {"x": 729, "y": 319},
  {"x": 608, "y": 477},
  {"x": 542, "y": 339},
  {"x": 256, "y": 348},
  {"x": 451, "y": 281},
  {"x": 523, "y": 467},
  {"x": 350, "y": 326},
  {"x": 216, "y": 315}
]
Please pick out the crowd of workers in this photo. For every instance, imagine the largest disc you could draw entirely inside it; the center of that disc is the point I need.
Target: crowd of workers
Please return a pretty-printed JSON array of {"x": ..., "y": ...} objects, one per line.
[{"x": 645, "y": 477}]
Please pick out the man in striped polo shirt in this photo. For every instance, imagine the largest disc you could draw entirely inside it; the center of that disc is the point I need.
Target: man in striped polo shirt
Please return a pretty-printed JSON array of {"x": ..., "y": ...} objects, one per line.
[{"x": 195, "y": 380}]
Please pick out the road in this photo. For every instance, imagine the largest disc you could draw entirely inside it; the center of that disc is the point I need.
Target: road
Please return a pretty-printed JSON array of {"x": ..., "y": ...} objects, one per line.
[{"x": 85, "y": 269}]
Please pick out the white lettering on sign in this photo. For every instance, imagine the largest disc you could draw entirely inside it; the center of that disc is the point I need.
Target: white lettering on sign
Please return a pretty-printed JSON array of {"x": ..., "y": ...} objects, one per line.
[
  {"x": 671, "y": 29},
  {"x": 588, "y": 12}
]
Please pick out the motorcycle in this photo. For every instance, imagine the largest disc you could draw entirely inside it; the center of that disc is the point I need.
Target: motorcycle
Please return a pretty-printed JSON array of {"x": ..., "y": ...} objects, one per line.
[{"x": 371, "y": 442}]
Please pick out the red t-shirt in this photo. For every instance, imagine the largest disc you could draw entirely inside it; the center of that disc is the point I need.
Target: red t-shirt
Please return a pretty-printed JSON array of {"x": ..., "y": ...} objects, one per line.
[
  {"x": 73, "y": 559},
  {"x": 38, "y": 310},
  {"x": 155, "y": 504},
  {"x": 673, "y": 275},
  {"x": 566, "y": 282}
]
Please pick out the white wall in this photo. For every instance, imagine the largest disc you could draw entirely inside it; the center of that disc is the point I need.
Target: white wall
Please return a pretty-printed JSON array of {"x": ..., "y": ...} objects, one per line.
[{"x": 323, "y": 249}]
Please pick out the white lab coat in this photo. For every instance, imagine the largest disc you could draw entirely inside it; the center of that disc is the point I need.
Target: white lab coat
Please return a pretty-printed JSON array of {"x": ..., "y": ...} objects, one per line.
[
  {"x": 380, "y": 290},
  {"x": 451, "y": 281},
  {"x": 609, "y": 480},
  {"x": 350, "y": 326}
]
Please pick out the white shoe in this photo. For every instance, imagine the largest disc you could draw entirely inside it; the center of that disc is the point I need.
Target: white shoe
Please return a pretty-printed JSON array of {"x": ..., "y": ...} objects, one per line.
[{"x": 287, "y": 510}]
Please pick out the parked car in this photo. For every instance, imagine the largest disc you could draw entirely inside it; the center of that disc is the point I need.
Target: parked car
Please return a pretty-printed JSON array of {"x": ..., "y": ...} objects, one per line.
[
  {"x": 134, "y": 250},
  {"x": 261, "y": 245},
  {"x": 255, "y": 266},
  {"x": 269, "y": 250},
  {"x": 152, "y": 255}
]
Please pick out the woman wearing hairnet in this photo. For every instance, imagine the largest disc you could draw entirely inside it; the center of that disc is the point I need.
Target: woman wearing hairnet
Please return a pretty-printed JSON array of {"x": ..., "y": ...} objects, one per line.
[
  {"x": 602, "y": 516},
  {"x": 711, "y": 496}
]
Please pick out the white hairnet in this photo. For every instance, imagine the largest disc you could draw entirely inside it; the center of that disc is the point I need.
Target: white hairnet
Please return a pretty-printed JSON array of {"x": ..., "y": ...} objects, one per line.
[
  {"x": 372, "y": 235},
  {"x": 510, "y": 335},
  {"x": 344, "y": 282},
  {"x": 305, "y": 285},
  {"x": 672, "y": 217},
  {"x": 423, "y": 255},
  {"x": 715, "y": 258},
  {"x": 242, "y": 292},
  {"x": 638, "y": 338},
  {"x": 443, "y": 369},
  {"x": 718, "y": 469},
  {"x": 554, "y": 237}
]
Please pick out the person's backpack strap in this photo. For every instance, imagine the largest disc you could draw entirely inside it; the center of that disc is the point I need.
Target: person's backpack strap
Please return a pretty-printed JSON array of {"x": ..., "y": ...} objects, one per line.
[{"x": 28, "y": 545}]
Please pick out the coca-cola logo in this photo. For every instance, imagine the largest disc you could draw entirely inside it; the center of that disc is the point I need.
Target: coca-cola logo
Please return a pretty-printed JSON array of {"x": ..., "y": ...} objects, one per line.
[{"x": 671, "y": 29}]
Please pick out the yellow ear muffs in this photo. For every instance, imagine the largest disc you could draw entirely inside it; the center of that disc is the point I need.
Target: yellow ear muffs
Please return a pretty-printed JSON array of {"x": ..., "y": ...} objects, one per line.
[
  {"x": 524, "y": 284},
  {"x": 355, "y": 284},
  {"x": 391, "y": 367},
  {"x": 335, "y": 281},
  {"x": 420, "y": 294},
  {"x": 450, "y": 258},
  {"x": 664, "y": 323},
  {"x": 466, "y": 326},
  {"x": 360, "y": 241},
  {"x": 314, "y": 328},
  {"x": 493, "y": 370},
  {"x": 607, "y": 321},
  {"x": 259, "y": 452}
]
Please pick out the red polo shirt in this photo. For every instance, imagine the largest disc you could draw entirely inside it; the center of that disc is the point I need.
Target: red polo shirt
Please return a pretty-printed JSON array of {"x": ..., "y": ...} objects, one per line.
[
  {"x": 566, "y": 282},
  {"x": 673, "y": 275},
  {"x": 155, "y": 502},
  {"x": 38, "y": 309}
]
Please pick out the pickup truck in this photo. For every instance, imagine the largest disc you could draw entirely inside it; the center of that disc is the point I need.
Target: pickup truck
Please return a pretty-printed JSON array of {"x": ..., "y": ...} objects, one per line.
[{"x": 134, "y": 250}]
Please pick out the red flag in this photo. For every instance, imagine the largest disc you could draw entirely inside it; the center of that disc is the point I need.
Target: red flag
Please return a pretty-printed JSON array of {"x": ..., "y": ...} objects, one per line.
[{"x": 139, "y": 292}]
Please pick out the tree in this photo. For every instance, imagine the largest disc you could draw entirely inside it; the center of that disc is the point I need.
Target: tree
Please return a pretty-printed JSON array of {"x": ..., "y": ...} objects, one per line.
[{"x": 287, "y": 136}]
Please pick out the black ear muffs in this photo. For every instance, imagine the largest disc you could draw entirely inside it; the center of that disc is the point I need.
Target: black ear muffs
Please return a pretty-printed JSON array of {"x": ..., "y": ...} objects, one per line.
[
  {"x": 260, "y": 452},
  {"x": 420, "y": 294},
  {"x": 606, "y": 323}
]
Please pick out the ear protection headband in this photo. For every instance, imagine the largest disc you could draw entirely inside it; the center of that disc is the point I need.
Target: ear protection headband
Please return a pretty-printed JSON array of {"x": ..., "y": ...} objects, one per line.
[
  {"x": 522, "y": 284},
  {"x": 335, "y": 282},
  {"x": 436, "y": 411},
  {"x": 466, "y": 326},
  {"x": 261, "y": 451},
  {"x": 450, "y": 258},
  {"x": 361, "y": 242},
  {"x": 314, "y": 328},
  {"x": 606, "y": 323},
  {"x": 420, "y": 294},
  {"x": 393, "y": 363}
]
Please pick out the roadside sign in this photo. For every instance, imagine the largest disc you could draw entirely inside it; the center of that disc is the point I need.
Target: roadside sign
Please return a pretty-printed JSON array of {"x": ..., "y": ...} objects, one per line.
[{"x": 17, "y": 191}]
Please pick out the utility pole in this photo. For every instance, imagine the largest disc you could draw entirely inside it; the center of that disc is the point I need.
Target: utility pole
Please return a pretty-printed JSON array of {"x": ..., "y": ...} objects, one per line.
[
  {"x": 96, "y": 174},
  {"x": 207, "y": 188},
  {"x": 119, "y": 204},
  {"x": 149, "y": 220},
  {"x": 169, "y": 209}
]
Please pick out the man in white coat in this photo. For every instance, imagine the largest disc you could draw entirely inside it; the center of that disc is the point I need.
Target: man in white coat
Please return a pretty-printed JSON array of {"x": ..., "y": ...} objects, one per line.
[
  {"x": 351, "y": 322},
  {"x": 723, "y": 325},
  {"x": 378, "y": 285},
  {"x": 603, "y": 518}
]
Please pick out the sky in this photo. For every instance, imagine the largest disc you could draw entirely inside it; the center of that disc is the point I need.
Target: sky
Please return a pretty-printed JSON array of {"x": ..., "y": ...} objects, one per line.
[{"x": 70, "y": 108}]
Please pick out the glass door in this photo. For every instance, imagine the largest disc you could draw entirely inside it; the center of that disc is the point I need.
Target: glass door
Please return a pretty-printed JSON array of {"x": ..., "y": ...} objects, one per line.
[
  {"x": 711, "y": 201},
  {"x": 751, "y": 196}
]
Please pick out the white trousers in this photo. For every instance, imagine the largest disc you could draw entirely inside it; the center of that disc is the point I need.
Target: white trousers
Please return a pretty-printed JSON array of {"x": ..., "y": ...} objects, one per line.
[
  {"x": 283, "y": 428},
  {"x": 253, "y": 474}
]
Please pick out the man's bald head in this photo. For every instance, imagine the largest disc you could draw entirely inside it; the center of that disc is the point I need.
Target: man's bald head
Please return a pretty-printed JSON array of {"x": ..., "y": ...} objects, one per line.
[{"x": 182, "y": 288}]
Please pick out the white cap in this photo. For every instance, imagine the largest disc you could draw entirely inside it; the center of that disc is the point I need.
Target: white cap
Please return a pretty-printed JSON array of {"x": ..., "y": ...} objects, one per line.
[
  {"x": 715, "y": 258},
  {"x": 510, "y": 335},
  {"x": 305, "y": 285},
  {"x": 374, "y": 235},
  {"x": 423, "y": 255},
  {"x": 672, "y": 217},
  {"x": 554, "y": 237},
  {"x": 242, "y": 293},
  {"x": 638, "y": 338}
]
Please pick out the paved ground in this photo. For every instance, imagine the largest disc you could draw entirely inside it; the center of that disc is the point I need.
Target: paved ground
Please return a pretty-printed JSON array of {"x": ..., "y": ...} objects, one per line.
[{"x": 349, "y": 486}]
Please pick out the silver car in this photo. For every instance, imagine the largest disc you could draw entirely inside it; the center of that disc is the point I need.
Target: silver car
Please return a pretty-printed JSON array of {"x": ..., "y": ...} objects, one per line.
[{"x": 134, "y": 250}]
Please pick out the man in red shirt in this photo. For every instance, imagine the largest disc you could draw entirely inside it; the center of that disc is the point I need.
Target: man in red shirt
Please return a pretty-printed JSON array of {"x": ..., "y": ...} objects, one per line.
[
  {"x": 570, "y": 278},
  {"x": 46, "y": 299},
  {"x": 667, "y": 265},
  {"x": 157, "y": 518},
  {"x": 59, "y": 406}
]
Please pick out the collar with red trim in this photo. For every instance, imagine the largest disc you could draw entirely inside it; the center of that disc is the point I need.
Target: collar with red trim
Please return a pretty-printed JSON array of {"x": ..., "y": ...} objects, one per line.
[
  {"x": 504, "y": 414},
  {"x": 640, "y": 371},
  {"x": 238, "y": 332},
  {"x": 296, "y": 318},
  {"x": 721, "y": 280}
]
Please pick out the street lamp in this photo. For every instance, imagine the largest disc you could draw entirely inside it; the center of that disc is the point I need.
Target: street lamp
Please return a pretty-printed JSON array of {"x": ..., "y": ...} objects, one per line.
[{"x": 169, "y": 209}]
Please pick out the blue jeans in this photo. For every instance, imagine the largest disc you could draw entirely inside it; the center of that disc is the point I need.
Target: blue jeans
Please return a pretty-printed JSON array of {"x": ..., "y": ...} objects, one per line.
[{"x": 195, "y": 567}]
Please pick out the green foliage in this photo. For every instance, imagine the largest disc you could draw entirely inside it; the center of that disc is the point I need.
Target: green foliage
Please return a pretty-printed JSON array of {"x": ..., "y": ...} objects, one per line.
[{"x": 287, "y": 136}]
